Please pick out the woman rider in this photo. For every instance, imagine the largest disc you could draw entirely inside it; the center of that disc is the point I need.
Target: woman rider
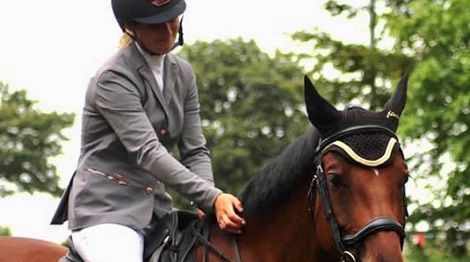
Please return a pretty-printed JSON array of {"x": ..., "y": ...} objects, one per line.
[{"x": 141, "y": 103}]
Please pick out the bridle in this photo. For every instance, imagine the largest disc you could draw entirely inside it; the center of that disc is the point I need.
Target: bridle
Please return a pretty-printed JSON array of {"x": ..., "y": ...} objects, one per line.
[
  {"x": 319, "y": 183},
  {"x": 203, "y": 238}
]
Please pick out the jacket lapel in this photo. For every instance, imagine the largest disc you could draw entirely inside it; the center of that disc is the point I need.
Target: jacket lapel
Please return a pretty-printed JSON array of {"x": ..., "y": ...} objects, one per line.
[
  {"x": 150, "y": 79},
  {"x": 169, "y": 78},
  {"x": 147, "y": 76}
]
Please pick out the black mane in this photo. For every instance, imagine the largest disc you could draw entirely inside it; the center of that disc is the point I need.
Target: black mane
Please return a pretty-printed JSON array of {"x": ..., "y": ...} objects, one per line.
[{"x": 280, "y": 176}]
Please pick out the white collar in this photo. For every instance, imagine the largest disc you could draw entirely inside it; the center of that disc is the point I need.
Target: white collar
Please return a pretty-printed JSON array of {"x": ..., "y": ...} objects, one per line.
[{"x": 155, "y": 63}]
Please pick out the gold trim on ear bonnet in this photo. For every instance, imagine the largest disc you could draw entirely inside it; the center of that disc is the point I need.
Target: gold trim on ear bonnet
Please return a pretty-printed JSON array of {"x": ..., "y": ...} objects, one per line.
[{"x": 360, "y": 157}]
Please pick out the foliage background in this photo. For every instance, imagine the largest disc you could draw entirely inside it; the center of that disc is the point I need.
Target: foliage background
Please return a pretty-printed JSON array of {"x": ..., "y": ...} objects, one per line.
[{"x": 252, "y": 107}]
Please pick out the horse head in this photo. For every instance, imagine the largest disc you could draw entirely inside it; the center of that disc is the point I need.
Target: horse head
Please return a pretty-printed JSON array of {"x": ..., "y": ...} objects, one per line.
[{"x": 358, "y": 192}]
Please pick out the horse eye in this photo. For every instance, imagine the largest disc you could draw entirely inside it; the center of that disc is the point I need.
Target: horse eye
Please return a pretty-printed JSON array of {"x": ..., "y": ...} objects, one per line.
[
  {"x": 407, "y": 178},
  {"x": 336, "y": 180}
]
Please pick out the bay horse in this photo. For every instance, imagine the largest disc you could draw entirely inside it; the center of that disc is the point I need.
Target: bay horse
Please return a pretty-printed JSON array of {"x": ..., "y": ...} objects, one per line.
[{"x": 336, "y": 193}]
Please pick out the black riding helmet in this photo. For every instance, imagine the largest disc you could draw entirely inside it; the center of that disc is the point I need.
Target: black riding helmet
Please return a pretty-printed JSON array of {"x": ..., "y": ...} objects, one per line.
[{"x": 148, "y": 12}]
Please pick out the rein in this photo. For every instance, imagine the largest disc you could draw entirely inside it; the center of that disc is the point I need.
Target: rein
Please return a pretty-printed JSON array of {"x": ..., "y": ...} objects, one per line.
[
  {"x": 209, "y": 247},
  {"x": 319, "y": 183}
]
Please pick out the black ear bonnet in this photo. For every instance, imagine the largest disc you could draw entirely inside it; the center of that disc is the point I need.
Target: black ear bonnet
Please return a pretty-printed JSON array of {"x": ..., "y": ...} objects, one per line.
[{"x": 360, "y": 135}]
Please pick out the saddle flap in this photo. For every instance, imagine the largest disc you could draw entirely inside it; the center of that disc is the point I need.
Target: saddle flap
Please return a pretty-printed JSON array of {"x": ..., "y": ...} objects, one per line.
[{"x": 166, "y": 231}]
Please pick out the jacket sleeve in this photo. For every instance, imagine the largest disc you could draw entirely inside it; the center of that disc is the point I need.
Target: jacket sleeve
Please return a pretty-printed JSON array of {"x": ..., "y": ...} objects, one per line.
[
  {"x": 117, "y": 99},
  {"x": 194, "y": 153}
]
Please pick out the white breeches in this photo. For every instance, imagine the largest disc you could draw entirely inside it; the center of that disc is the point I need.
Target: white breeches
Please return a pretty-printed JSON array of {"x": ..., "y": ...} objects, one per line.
[{"x": 109, "y": 243}]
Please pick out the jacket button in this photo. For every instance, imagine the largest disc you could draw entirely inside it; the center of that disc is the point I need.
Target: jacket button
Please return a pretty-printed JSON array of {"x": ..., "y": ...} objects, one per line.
[
  {"x": 162, "y": 131},
  {"x": 149, "y": 190}
]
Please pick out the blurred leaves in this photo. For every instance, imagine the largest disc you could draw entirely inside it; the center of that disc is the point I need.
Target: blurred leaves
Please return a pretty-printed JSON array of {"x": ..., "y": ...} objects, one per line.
[
  {"x": 28, "y": 138},
  {"x": 5, "y": 231},
  {"x": 251, "y": 105},
  {"x": 430, "y": 40}
]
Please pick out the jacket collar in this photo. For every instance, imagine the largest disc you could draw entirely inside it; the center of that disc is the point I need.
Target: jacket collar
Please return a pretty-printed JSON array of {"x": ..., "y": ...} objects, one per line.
[{"x": 136, "y": 59}]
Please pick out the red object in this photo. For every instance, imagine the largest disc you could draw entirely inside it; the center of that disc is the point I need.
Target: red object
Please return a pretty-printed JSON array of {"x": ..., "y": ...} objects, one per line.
[
  {"x": 420, "y": 240},
  {"x": 159, "y": 2}
]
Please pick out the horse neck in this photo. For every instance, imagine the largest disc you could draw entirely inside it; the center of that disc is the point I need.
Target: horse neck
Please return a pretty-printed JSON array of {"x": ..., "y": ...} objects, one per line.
[{"x": 286, "y": 234}]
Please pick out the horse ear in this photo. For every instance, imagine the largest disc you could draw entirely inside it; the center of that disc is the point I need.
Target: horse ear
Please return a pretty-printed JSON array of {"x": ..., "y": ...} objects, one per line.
[
  {"x": 394, "y": 107},
  {"x": 320, "y": 112}
]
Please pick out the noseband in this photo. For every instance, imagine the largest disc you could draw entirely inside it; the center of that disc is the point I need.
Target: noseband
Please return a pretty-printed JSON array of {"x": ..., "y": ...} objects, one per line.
[{"x": 319, "y": 183}]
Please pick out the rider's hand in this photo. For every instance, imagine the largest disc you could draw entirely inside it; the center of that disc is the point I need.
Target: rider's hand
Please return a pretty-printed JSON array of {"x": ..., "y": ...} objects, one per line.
[{"x": 228, "y": 219}]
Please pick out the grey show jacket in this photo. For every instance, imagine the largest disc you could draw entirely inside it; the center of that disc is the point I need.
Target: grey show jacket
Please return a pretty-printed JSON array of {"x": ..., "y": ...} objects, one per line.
[{"x": 128, "y": 128}]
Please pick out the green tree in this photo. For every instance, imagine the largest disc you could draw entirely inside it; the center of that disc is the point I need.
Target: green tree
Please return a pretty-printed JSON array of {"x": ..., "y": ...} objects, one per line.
[
  {"x": 348, "y": 72},
  {"x": 433, "y": 252},
  {"x": 28, "y": 139},
  {"x": 251, "y": 105},
  {"x": 5, "y": 231},
  {"x": 437, "y": 35},
  {"x": 429, "y": 39}
]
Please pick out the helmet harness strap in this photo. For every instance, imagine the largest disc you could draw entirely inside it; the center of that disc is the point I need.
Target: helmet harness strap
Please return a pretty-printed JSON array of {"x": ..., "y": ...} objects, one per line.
[{"x": 180, "y": 35}]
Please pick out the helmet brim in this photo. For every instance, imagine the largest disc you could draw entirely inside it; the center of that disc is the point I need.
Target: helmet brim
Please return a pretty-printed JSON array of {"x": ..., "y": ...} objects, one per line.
[{"x": 165, "y": 16}]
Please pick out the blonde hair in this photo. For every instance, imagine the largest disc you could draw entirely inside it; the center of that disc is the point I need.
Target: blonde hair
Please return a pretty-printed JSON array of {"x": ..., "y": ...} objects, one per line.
[{"x": 126, "y": 39}]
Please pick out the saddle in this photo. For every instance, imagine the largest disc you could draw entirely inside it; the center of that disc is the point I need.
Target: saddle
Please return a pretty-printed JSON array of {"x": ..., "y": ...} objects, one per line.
[{"x": 172, "y": 238}]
